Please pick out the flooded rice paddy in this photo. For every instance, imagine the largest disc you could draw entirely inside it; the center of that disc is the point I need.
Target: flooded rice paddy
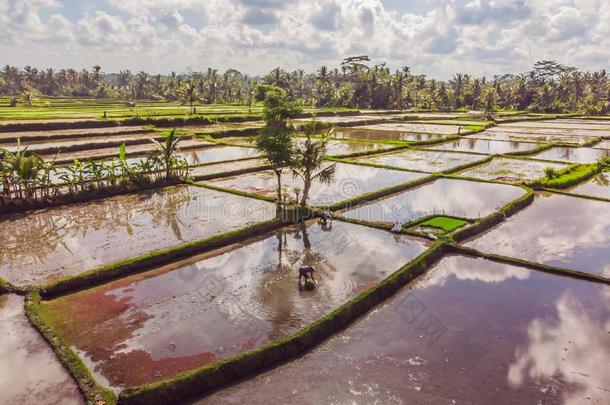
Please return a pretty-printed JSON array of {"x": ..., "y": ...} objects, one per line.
[
  {"x": 499, "y": 135},
  {"x": 196, "y": 157},
  {"x": 572, "y": 155},
  {"x": 484, "y": 146},
  {"x": 422, "y": 160},
  {"x": 562, "y": 124},
  {"x": 556, "y": 230},
  {"x": 225, "y": 167},
  {"x": 370, "y": 135},
  {"x": 598, "y": 186},
  {"x": 184, "y": 315},
  {"x": 45, "y": 245},
  {"x": 28, "y": 136},
  {"x": 414, "y": 127},
  {"x": 350, "y": 181},
  {"x": 46, "y": 147},
  {"x": 549, "y": 131},
  {"x": 470, "y": 331},
  {"x": 29, "y": 371},
  {"x": 511, "y": 170},
  {"x": 602, "y": 145},
  {"x": 461, "y": 198}
]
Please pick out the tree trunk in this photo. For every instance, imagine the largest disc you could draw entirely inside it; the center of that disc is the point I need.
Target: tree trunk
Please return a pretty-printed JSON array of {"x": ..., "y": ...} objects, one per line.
[
  {"x": 278, "y": 174},
  {"x": 306, "y": 187}
]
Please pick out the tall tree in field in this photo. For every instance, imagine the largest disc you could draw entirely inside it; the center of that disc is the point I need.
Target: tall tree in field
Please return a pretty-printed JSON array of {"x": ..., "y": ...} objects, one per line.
[
  {"x": 274, "y": 140},
  {"x": 308, "y": 161},
  {"x": 189, "y": 94}
]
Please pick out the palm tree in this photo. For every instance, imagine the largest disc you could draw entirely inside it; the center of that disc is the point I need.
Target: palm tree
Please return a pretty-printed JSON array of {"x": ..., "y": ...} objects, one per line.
[
  {"x": 188, "y": 94},
  {"x": 308, "y": 160}
]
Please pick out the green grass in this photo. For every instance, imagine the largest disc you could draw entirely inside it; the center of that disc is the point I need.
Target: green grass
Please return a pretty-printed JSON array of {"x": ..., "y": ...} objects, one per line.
[
  {"x": 446, "y": 224},
  {"x": 569, "y": 176}
]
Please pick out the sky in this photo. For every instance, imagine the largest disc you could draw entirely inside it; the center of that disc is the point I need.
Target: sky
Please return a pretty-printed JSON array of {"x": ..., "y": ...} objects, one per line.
[{"x": 432, "y": 37}]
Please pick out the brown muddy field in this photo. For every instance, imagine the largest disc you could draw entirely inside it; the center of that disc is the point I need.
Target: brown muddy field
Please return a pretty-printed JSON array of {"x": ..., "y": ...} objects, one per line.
[
  {"x": 556, "y": 230},
  {"x": 29, "y": 371},
  {"x": 184, "y": 315},
  {"x": 44, "y": 245},
  {"x": 470, "y": 331},
  {"x": 461, "y": 198}
]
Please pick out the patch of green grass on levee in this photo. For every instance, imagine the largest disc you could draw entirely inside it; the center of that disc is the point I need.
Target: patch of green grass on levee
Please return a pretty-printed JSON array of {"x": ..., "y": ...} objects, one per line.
[
  {"x": 569, "y": 176},
  {"x": 446, "y": 224},
  {"x": 475, "y": 128}
]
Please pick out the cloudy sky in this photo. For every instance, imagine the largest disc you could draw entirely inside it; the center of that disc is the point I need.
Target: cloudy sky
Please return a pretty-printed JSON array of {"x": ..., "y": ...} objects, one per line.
[{"x": 436, "y": 37}]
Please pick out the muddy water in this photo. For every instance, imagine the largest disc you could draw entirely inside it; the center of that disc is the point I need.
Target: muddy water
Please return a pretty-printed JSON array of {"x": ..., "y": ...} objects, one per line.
[
  {"x": 185, "y": 315},
  {"x": 29, "y": 371},
  {"x": 217, "y": 154},
  {"x": 511, "y": 170},
  {"x": 335, "y": 148},
  {"x": 484, "y": 146},
  {"x": 94, "y": 142},
  {"x": 469, "y": 332},
  {"x": 602, "y": 145},
  {"x": 350, "y": 181},
  {"x": 227, "y": 167},
  {"x": 44, "y": 245},
  {"x": 557, "y": 230},
  {"x": 414, "y": 127},
  {"x": 370, "y": 135},
  {"x": 424, "y": 160},
  {"x": 499, "y": 135},
  {"x": 598, "y": 186},
  {"x": 549, "y": 131},
  {"x": 73, "y": 133},
  {"x": 565, "y": 124},
  {"x": 572, "y": 155},
  {"x": 467, "y": 199}
]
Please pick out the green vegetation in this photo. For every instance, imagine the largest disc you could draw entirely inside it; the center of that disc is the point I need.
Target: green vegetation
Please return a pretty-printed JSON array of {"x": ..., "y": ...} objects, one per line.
[
  {"x": 28, "y": 180},
  {"x": 570, "y": 176},
  {"x": 446, "y": 224}
]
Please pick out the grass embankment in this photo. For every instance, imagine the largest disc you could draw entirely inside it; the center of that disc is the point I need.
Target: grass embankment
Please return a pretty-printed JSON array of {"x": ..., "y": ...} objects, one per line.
[{"x": 568, "y": 177}]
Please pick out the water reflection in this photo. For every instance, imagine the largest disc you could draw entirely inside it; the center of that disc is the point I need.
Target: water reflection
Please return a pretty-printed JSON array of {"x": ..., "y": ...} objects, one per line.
[
  {"x": 573, "y": 155},
  {"x": 44, "y": 245},
  {"x": 529, "y": 337},
  {"x": 372, "y": 135},
  {"x": 29, "y": 371},
  {"x": 444, "y": 196},
  {"x": 485, "y": 146},
  {"x": 557, "y": 230},
  {"x": 184, "y": 315},
  {"x": 511, "y": 170},
  {"x": 350, "y": 181},
  {"x": 424, "y": 160},
  {"x": 598, "y": 186}
]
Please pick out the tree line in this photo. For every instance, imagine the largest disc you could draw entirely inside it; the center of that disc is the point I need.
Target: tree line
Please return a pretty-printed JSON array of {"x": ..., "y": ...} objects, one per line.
[{"x": 357, "y": 83}]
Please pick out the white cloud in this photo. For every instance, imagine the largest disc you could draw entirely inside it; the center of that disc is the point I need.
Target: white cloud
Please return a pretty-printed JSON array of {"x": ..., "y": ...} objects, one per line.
[{"x": 480, "y": 37}]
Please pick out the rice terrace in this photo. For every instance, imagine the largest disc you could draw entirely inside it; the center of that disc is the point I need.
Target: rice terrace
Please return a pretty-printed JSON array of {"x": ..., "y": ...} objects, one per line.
[{"x": 337, "y": 230}]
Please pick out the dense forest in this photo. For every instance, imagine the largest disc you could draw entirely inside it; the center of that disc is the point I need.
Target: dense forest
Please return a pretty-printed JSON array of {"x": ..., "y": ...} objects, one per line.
[{"x": 548, "y": 87}]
